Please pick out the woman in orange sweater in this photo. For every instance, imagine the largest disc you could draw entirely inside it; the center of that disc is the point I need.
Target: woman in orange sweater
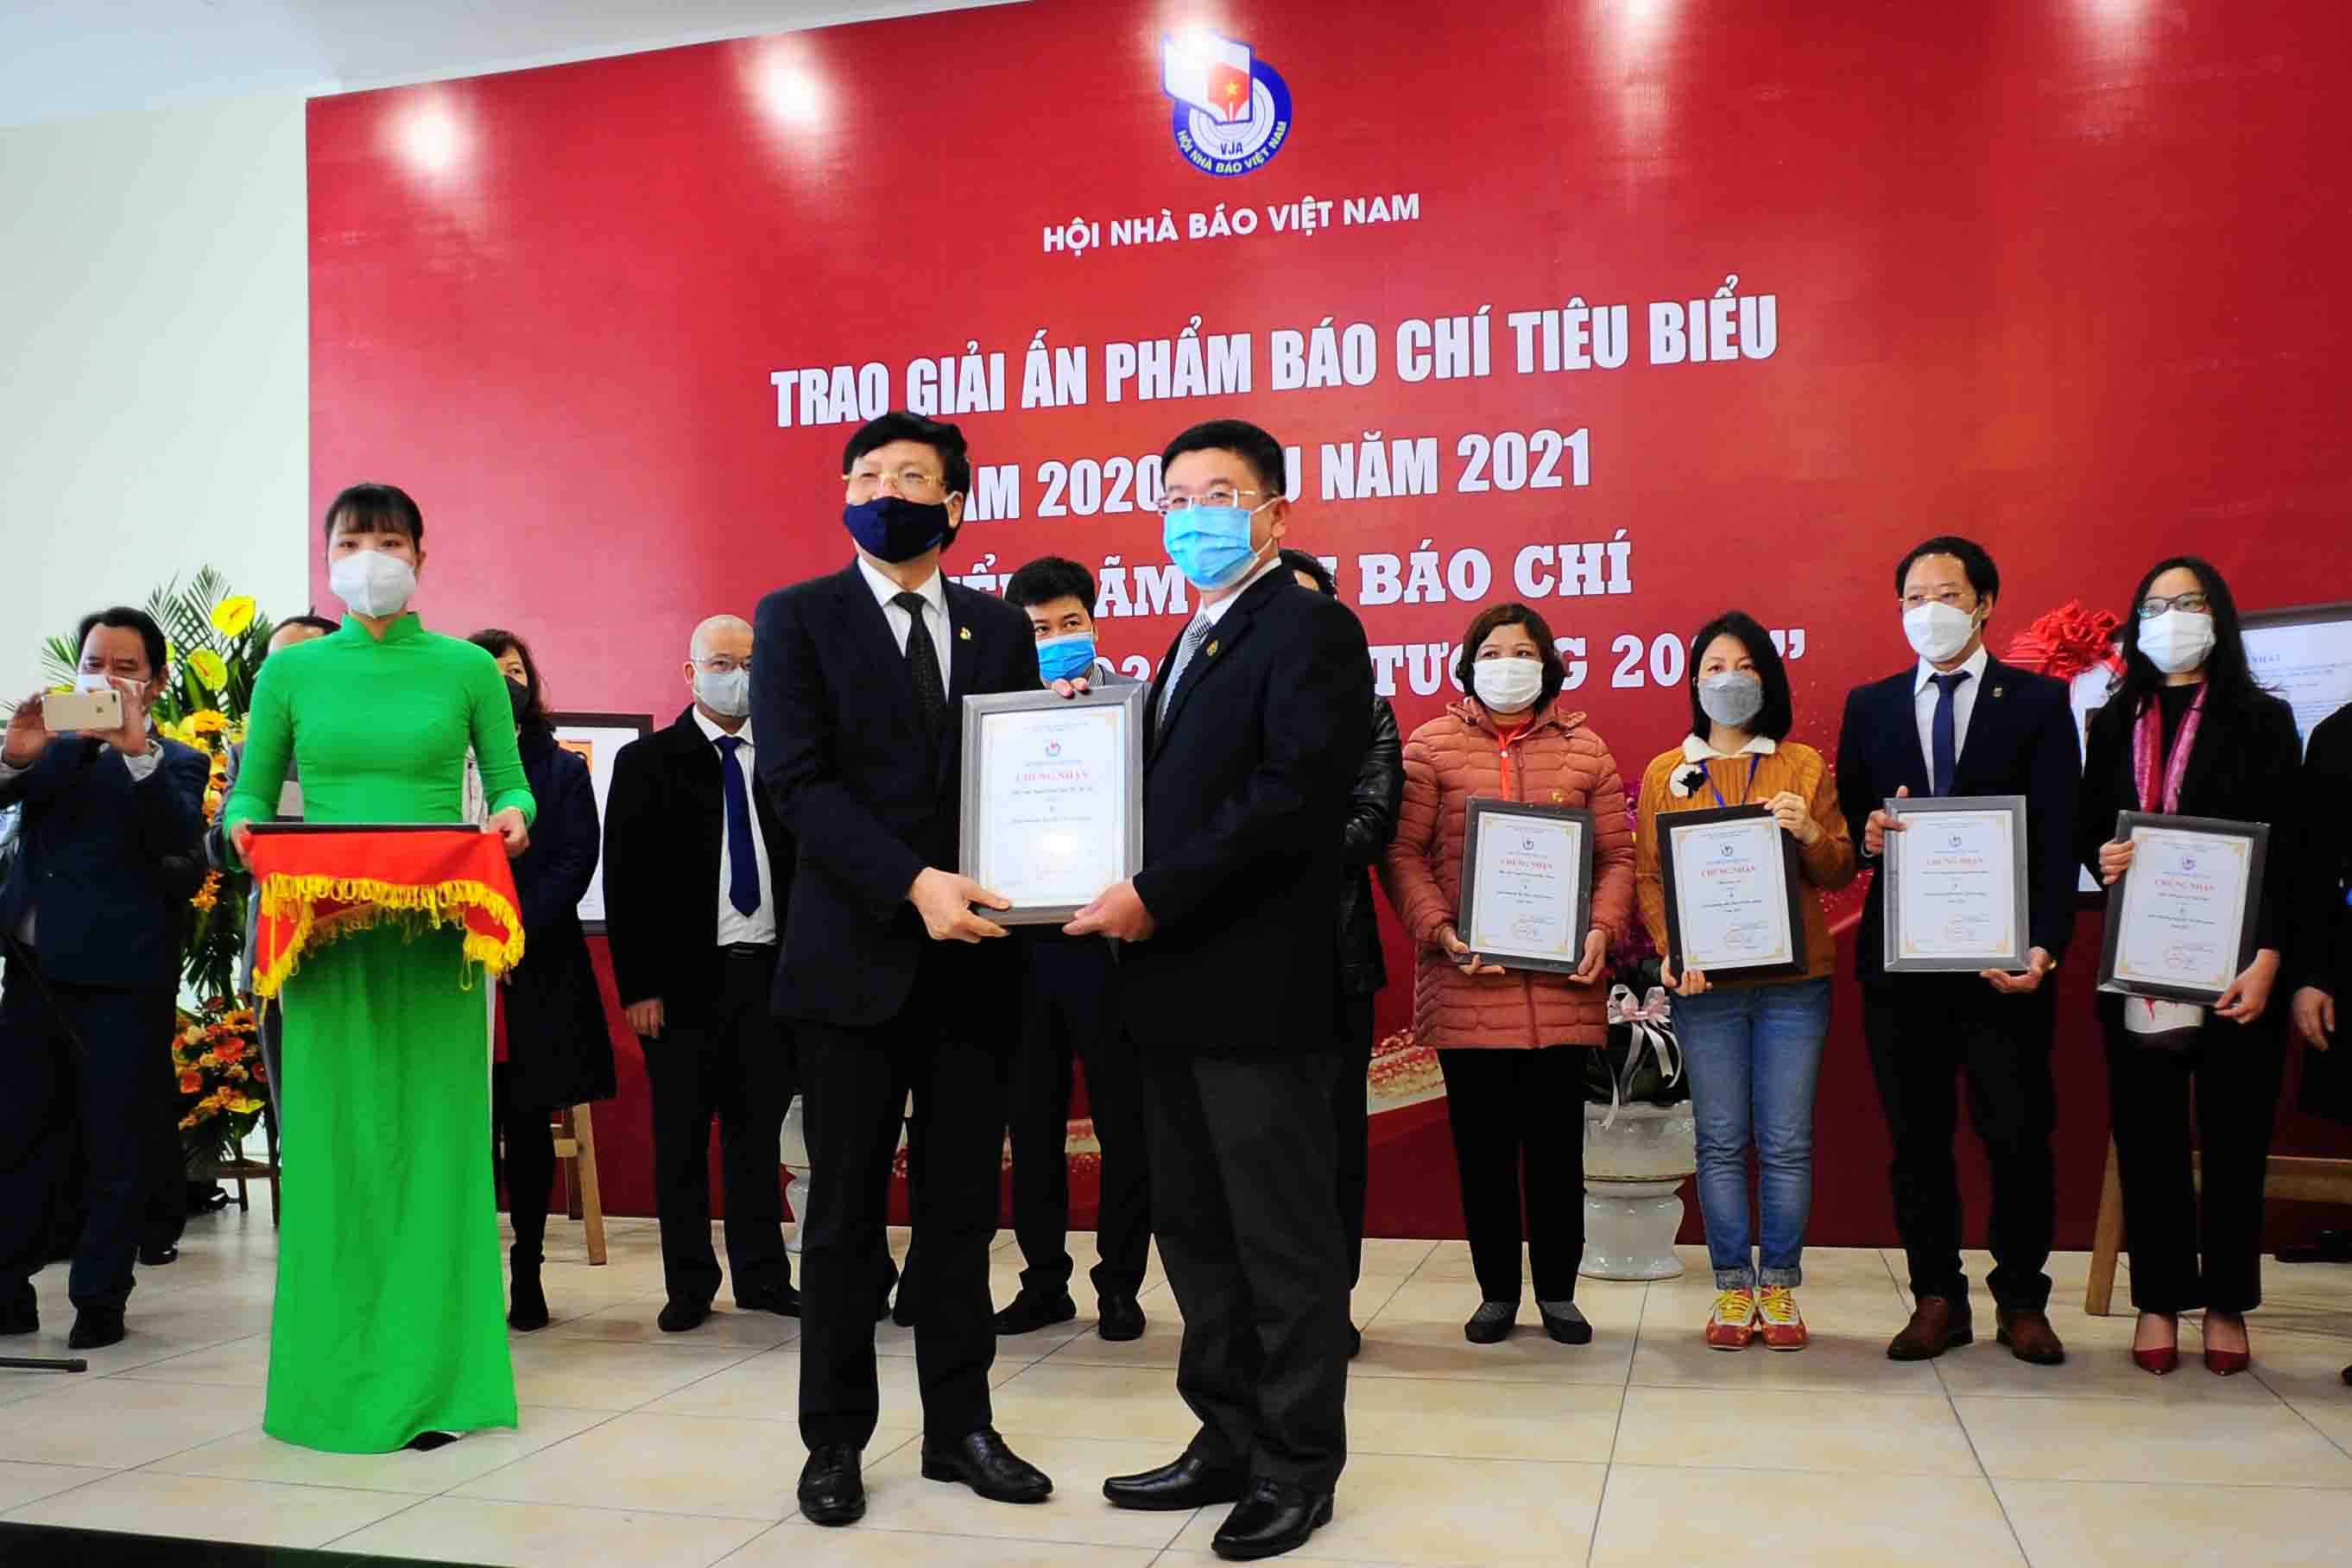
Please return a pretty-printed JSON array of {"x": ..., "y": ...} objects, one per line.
[
  {"x": 1513, "y": 1092},
  {"x": 1753, "y": 1047}
]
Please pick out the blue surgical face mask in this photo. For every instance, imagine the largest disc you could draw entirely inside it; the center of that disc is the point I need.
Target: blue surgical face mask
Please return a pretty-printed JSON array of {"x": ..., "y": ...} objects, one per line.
[
  {"x": 1210, "y": 545},
  {"x": 1066, "y": 657},
  {"x": 894, "y": 529}
]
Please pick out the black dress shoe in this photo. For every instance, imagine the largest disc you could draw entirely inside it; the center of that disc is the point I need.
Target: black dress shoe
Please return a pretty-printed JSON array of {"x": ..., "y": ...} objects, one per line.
[
  {"x": 678, "y": 1317},
  {"x": 903, "y": 1309},
  {"x": 96, "y": 1327},
  {"x": 982, "y": 1461},
  {"x": 1277, "y": 1517},
  {"x": 1117, "y": 1318},
  {"x": 156, "y": 1257},
  {"x": 833, "y": 1491},
  {"x": 1030, "y": 1313},
  {"x": 20, "y": 1309},
  {"x": 526, "y": 1303},
  {"x": 1188, "y": 1483},
  {"x": 784, "y": 1300}
]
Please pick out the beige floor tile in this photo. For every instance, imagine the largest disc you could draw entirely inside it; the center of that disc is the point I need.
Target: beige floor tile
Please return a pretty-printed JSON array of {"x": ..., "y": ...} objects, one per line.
[
  {"x": 2107, "y": 1440},
  {"x": 1163, "y": 1335},
  {"x": 636, "y": 1322},
  {"x": 1419, "y": 1334},
  {"x": 115, "y": 1422},
  {"x": 1838, "y": 1359},
  {"x": 1855, "y": 1433},
  {"x": 547, "y": 1535},
  {"x": 768, "y": 1388},
  {"x": 253, "y": 1455},
  {"x": 1059, "y": 1399},
  {"x": 900, "y": 1499},
  {"x": 668, "y": 1464},
  {"x": 21, "y": 1484},
  {"x": 158, "y": 1328},
  {"x": 146, "y": 1502},
  {"x": 596, "y": 1375},
  {"x": 1566, "y": 1422},
  {"x": 1395, "y": 1256},
  {"x": 796, "y": 1543},
  {"x": 2098, "y": 1366},
  {"x": 1400, "y": 1510},
  {"x": 1653, "y": 1515},
  {"x": 235, "y": 1364},
  {"x": 1860, "y": 1310},
  {"x": 2136, "y": 1526}
]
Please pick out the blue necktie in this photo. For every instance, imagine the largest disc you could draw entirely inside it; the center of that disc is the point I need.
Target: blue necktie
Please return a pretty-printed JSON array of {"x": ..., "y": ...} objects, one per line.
[
  {"x": 743, "y": 856},
  {"x": 1947, "y": 759}
]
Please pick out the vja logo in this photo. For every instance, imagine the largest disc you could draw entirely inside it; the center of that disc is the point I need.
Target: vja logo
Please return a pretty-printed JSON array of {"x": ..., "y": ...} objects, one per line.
[
  {"x": 2188, "y": 862},
  {"x": 1053, "y": 748},
  {"x": 1232, "y": 111}
]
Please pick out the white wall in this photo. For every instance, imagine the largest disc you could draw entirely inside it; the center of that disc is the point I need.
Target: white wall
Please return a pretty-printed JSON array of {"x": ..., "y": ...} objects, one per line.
[{"x": 154, "y": 326}]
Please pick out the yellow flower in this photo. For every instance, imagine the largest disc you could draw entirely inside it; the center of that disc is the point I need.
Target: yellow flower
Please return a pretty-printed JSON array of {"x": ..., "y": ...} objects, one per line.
[
  {"x": 209, "y": 668},
  {"x": 208, "y": 721},
  {"x": 233, "y": 615},
  {"x": 208, "y": 896}
]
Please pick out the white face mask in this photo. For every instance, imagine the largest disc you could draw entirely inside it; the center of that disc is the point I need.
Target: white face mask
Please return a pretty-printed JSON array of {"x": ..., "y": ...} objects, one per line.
[
  {"x": 2176, "y": 641},
  {"x": 1937, "y": 632},
  {"x": 372, "y": 582},
  {"x": 1507, "y": 685},
  {"x": 727, "y": 693}
]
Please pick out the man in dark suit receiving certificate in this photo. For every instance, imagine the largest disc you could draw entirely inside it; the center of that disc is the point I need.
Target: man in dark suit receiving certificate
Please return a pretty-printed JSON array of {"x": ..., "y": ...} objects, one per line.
[
  {"x": 895, "y": 981},
  {"x": 1959, "y": 722},
  {"x": 1257, "y": 723}
]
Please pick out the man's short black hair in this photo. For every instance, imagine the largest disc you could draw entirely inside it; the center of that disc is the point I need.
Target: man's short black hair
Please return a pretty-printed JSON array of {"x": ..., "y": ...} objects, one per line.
[
  {"x": 316, "y": 623},
  {"x": 124, "y": 618},
  {"x": 1048, "y": 578},
  {"x": 1299, "y": 560},
  {"x": 1983, "y": 575},
  {"x": 1261, "y": 451},
  {"x": 1779, "y": 713},
  {"x": 374, "y": 509},
  {"x": 900, "y": 426}
]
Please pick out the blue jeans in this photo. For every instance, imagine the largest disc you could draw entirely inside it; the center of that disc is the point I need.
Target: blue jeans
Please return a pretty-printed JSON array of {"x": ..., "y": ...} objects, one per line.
[{"x": 1753, "y": 1055}]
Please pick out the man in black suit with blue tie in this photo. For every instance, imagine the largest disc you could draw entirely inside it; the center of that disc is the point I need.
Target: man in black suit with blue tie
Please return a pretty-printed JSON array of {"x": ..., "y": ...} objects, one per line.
[
  {"x": 893, "y": 980},
  {"x": 1960, "y": 723}
]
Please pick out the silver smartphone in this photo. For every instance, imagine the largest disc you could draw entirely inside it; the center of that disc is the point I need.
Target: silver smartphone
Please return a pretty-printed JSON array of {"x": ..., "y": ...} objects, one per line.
[{"x": 95, "y": 713}]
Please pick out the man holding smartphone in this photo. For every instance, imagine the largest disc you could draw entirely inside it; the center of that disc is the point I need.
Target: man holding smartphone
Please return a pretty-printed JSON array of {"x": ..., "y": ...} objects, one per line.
[{"x": 111, "y": 822}]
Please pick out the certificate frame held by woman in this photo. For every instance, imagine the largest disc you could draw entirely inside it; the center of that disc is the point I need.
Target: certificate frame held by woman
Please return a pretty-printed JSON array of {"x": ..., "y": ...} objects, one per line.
[
  {"x": 2180, "y": 921},
  {"x": 1053, "y": 798},
  {"x": 1735, "y": 893},
  {"x": 1526, "y": 883},
  {"x": 1957, "y": 885}
]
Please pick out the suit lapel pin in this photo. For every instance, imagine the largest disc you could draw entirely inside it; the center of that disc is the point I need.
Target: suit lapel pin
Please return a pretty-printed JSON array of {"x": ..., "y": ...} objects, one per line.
[
  {"x": 1996, "y": 691},
  {"x": 963, "y": 634},
  {"x": 1213, "y": 649}
]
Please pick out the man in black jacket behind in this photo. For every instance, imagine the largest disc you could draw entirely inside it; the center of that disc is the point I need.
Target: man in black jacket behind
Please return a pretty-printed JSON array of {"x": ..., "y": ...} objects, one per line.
[
  {"x": 895, "y": 983},
  {"x": 1258, "y": 725}
]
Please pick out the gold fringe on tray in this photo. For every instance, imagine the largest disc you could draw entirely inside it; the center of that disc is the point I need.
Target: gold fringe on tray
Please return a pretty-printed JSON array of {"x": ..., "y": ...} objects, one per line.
[{"x": 418, "y": 909}]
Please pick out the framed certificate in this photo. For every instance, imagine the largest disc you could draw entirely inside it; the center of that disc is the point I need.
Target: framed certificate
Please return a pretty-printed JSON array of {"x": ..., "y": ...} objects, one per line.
[
  {"x": 1734, "y": 892},
  {"x": 1527, "y": 884},
  {"x": 1053, "y": 798},
  {"x": 1956, "y": 884},
  {"x": 596, "y": 739},
  {"x": 2180, "y": 924}
]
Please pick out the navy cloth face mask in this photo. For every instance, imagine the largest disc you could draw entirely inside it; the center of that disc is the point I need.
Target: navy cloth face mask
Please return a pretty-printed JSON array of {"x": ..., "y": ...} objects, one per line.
[{"x": 894, "y": 529}]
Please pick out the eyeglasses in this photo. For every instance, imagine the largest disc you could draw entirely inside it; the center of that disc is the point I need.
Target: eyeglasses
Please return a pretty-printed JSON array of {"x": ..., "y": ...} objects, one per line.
[
  {"x": 722, "y": 665},
  {"x": 2195, "y": 603},
  {"x": 1215, "y": 495},
  {"x": 908, "y": 481},
  {"x": 1950, "y": 596}
]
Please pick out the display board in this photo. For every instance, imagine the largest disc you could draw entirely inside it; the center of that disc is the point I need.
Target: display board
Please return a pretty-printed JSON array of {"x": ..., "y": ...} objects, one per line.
[{"x": 597, "y": 739}]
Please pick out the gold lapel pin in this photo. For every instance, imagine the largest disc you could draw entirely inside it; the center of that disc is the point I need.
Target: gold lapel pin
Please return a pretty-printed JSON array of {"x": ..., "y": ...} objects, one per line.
[
  {"x": 1996, "y": 691},
  {"x": 1213, "y": 650},
  {"x": 963, "y": 634}
]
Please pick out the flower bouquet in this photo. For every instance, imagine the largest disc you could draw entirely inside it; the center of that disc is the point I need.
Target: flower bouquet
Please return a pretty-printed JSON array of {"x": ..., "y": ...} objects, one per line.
[{"x": 217, "y": 1059}]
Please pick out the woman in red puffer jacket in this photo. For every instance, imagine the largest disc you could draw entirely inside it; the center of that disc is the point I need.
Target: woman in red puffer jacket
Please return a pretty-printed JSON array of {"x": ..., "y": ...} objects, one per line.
[{"x": 1513, "y": 1093}]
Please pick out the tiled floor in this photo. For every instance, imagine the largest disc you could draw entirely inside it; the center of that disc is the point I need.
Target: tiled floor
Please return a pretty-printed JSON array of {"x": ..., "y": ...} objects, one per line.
[{"x": 641, "y": 1448}]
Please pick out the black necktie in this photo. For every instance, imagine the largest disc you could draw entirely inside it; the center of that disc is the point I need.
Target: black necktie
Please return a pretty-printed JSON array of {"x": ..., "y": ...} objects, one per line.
[
  {"x": 922, "y": 661},
  {"x": 1945, "y": 730}
]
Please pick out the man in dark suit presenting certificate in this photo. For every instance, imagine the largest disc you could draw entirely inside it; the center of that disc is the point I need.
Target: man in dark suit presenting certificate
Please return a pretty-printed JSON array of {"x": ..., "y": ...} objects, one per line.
[{"x": 1257, "y": 724}]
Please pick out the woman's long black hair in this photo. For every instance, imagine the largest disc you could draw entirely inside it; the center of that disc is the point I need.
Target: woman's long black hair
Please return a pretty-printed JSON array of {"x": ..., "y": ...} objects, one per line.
[{"x": 2229, "y": 679}]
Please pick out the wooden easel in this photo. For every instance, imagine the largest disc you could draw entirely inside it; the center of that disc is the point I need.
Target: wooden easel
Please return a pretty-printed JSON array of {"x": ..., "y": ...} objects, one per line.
[
  {"x": 575, "y": 1146},
  {"x": 2295, "y": 1177}
]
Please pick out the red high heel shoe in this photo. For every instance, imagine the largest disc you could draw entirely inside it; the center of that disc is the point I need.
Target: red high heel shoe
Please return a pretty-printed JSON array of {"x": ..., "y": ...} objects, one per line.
[
  {"x": 2228, "y": 1363},
  {"x": 2159, "y": 1359}
]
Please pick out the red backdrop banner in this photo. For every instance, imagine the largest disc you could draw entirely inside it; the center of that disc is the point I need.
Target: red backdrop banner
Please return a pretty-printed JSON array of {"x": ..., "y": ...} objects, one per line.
[{"x": 1631, "y": 311}]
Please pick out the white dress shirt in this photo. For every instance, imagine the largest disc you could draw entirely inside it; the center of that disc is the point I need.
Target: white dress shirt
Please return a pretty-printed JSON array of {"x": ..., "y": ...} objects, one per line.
[
  {"x": 736, "y": 928},
  {"x": 935, "y": 612},
  {"x": 1964, "y": 703}
]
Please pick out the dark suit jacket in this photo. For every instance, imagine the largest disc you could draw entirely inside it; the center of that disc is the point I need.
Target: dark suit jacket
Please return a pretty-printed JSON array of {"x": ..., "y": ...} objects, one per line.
[
  {"x": 2020, "y": 741},
  {"x": 665, "y": 830},
  {"x": 559, "y": 1048},
  {"x": 1246, "y": 788},
  {"x": 2319, "y": 946},
  {"x": 870, "y": 797},
  {"x": 106, "y": 863}
]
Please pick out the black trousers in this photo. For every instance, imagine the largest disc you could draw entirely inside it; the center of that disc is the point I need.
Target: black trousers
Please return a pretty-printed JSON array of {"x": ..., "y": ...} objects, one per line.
[
  {"x": 1509, "y": 1111},
  {"x": 1351, "y": 1124},
  {"x": 1070, "y": 1012},
  {"x": 853, "y": 1089},
  {"x": 733, "y": 1061},
  {"x": 163, "y": 1162},
  {"x": 525, "y": 1150},
  {"x": 2232, "y": 1076},
  {"x": 47, "y": 1093},
  {"x": 1925, "y": 1032},
  {"x": 1241, "y": 1179}
]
